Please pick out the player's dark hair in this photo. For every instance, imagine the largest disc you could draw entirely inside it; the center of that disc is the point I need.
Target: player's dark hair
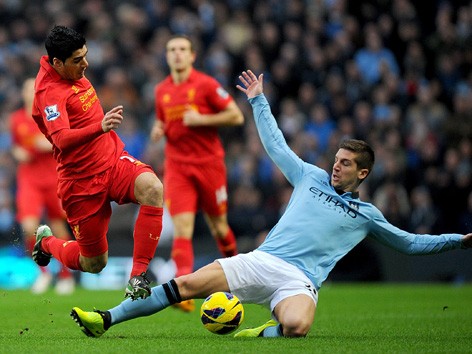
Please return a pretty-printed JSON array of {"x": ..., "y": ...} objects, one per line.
[
  {"x": 365, "y": 156},
  {"x": 62, "y": 41},
  {"x": 184, "y": 36}
]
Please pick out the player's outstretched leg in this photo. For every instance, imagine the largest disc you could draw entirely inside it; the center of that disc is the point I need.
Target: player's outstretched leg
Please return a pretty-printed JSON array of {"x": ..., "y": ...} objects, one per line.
[
  {"x": 256, "y": 332},
  {"x": 93, "y": 323},
  {"x": 39, "y": 256},
  {"x": 138, "y": 287}
]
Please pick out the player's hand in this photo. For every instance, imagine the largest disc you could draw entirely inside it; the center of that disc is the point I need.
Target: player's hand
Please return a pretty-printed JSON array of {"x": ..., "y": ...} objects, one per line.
[
  {"x": 467, "y": 241},
  {"x": 253, "y": 85},
  {"x": 21, "y": 154},
  {"x": 191, "y": 118},
  {"x": 112, "y": 119},
  {"x": 157, "y": 132}
]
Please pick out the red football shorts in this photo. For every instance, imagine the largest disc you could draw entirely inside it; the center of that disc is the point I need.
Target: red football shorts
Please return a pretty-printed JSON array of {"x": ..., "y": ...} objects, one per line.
[
  {"x": 36, "y": 197},
  {"x": 87, "y": 202},
  {"x": 190, "y": 187}
]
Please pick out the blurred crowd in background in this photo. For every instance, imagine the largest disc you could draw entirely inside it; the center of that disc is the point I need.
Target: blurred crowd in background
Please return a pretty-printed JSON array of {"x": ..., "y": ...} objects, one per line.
[{"x": 397, "y": 73}]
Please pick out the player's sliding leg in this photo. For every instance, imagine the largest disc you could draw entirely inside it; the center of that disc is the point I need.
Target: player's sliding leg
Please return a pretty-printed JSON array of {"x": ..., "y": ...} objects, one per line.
[
  {"x": 95, "y": 323},
  {"x": 269, "y": 329}
]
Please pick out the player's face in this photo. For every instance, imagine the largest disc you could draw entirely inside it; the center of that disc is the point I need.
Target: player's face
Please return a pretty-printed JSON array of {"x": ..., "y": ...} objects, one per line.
[
  {"x": 73, "y": 68},
  {"x": 346, "y": 174},
  {"x": 179, "y": 54}
]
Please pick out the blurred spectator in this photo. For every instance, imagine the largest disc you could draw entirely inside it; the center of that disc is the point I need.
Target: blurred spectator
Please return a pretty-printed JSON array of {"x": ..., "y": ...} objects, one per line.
[
  {"x": 320, "y": 125},
  {"x": 116, "y": 89},
  {"x": 465, "y": 218},
  {"x": 459, "y": 123},
  {"x": 247, "y": 216},
  {"x": 426, "y": 113},
  {"x": 135, "y": 138},
  {"x": 392, "y": 200},
  {"x": 363, "y": 118},
  {"x": 291, "y": 119},
  {"x": 374, "y": 59},
  {"x": 424, "y": 215},
  {"x": 7, "y": 216},
  {"x": 384, "y": 111}
]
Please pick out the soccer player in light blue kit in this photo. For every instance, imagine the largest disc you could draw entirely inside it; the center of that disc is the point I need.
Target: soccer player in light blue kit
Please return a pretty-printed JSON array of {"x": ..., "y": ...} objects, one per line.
[{"x": 323, "y": 221}]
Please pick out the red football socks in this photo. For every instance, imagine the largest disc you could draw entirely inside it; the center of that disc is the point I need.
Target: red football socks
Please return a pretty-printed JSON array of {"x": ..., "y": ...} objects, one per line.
[
  {"x": 66, "y": 252},
  {"x": 182, "y": 254},
  {"x": 147, "y": 232}
]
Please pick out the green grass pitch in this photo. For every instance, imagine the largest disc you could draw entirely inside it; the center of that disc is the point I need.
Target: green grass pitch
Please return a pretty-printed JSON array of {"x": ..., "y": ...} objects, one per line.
[{"x": 351, "y": 318}]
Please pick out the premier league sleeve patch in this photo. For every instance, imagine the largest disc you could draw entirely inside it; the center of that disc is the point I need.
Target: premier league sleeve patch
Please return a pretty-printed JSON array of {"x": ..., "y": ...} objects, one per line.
[
  {"x": 52, "y": 113},
  {"x": 222, "y": 92}
]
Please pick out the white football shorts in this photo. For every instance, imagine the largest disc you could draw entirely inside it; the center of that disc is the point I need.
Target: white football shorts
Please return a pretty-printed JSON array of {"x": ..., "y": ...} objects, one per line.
[{"x": 260, "y": 278}]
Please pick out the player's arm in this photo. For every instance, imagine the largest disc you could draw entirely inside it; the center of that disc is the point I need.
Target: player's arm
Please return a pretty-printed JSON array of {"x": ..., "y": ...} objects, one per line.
[
  {"x": 20, "y": 154},
  {"x": 68, "y": 138},
  {"x": 157, "y": 130},
  {"x": 271, "y": 136},
  {"x": 413, "y": 244},
  {"x": 42, "y": 144},
  {"x": 230, "y": 116}
]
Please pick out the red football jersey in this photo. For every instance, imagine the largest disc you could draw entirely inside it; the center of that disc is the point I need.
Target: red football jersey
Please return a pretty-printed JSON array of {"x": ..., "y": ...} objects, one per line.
[
  {"x": 25, "y": 132},
  {"x": 64, "y": 104},
  {"x": 204, "y": 94}
]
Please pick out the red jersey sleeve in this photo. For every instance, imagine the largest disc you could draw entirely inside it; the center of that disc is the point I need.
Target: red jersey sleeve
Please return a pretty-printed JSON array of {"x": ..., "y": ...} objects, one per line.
[{"x": 218, "y": 98}]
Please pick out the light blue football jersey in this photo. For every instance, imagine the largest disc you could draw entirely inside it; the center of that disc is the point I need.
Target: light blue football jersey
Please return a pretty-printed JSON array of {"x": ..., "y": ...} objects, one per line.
[{"x": 319, "y": 226}]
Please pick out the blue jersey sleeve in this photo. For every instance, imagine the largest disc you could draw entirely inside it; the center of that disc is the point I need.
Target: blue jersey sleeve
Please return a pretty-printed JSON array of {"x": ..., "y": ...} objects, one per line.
[
  {"x": 409, "y": 243},
  {"x": 274, "y": 142}
]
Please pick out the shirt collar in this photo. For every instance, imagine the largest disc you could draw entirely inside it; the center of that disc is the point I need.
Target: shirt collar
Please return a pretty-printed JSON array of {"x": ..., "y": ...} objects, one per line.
[{"x": 354, "y": 195}]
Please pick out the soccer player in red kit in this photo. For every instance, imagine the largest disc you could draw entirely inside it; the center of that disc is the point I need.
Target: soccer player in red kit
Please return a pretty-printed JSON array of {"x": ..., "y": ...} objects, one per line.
[
  {"x": 93, "y": 167},
  {"x": 190, "y": 106},
  {"x": 36, "y": 198}
]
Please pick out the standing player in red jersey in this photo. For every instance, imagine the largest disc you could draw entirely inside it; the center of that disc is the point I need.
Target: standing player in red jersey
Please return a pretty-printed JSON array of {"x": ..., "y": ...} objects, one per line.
[
  {"x": 93, "y": 167},
  {"x": 37, "y": 197},
  {"x": 190, "y": 106}
]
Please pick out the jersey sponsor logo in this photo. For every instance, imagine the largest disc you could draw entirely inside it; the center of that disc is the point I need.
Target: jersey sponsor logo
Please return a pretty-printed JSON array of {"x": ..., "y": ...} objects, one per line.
[
  {"x": 334, "y": 203},
  {"x": 174, "y": 112},
  {"x": 89, "y": 93},
  {"x": 354, "y": 205},
  {"x": 222, "y": 93},
  {"x": 88, "y": 99},
  {"x": 89, "y": 104},
  {"x": 52, "y": 113}
]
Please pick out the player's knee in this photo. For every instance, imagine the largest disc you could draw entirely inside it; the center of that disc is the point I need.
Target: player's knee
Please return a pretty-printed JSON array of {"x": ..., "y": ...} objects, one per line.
[
  {"x": 296, "y": 328},
  {"x": 186, "y": 286},
  {"x": 151, "y": 193},
  {"x": 95, "y": 266}
]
